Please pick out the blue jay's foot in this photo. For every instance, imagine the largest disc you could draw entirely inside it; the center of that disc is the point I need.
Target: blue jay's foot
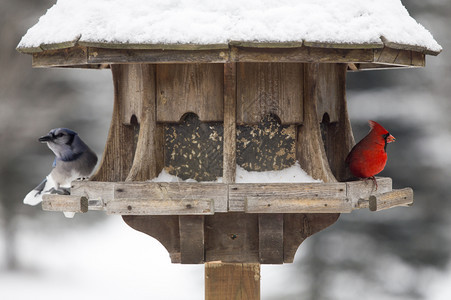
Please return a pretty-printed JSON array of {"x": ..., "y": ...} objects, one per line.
[
  {"x": 82, "y": 178},
  {"x": 60, "y": 191}
]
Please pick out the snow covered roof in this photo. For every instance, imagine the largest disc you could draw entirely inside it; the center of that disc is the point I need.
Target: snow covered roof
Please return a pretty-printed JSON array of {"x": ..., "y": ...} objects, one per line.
[
  {"x": 205, "y": 22},
  {"x": 365, "y": 34}
]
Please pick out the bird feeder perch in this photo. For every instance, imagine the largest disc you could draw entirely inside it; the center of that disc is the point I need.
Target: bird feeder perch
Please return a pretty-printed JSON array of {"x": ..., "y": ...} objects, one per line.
[{"x": 199, "y": 110}]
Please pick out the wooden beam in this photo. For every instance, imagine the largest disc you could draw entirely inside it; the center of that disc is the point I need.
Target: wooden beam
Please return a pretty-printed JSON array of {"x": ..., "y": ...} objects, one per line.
[
  {"x": 242, "y": 197},
  {"x": 84, "y": 54},
  {"x": 196, "y": 88},
  {"x": 232, "y": 237},
  {"x": 136, "y": 90},
  {"x": 270, "y": 228},
  {"x": 78, "y": 56},
  {"x": 180, "y": 191},
  {"x": 382, "y": 66},
  {"x": 401, "y": 197},
  {"x": 60, "y": 57},
  {"x": 399, "y": 57},
  {"x": 312, "y": 156},
  {"x": 230, "y": 97},
  {"x": 266, "y": 45},
  {"x": 64, "y": 203},
  {"x": 117, "y": 158},
  {"x": 297, "y": 205},
  {"x": 237, "y": 281},
  {"x": 148, "y": 158},
  {"x": 330, "y": 91},
  {"x": 253, "y": 192},
  {"x": 332, "y": 111},
  {"x": 162, "y": 47},
  {"x": 93, "y": 190},
  {"x": 191, "y": 239},
  {"x": 269, "y": 88},
  {"x": 352, "y": 67},
  {"x": 155, "y": 207},
  {"x": 115, "y": 56},
  {"x": 221, "y": 193},
  {"x": 243, "y": 44},
  {"x": 343, "y": 45},
  {"x": 301, "y": 54},
  {"x": 310, "y": 151},
  {"x": 359, "y": 192}
]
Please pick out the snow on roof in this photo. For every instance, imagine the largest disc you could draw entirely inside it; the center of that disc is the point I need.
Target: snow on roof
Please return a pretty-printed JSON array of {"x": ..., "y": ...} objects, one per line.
[{"x": 206, "y": 22}]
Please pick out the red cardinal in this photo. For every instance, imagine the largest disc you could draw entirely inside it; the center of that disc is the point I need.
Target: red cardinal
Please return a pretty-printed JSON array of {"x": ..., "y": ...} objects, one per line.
[{"x": 369, "y": 156}]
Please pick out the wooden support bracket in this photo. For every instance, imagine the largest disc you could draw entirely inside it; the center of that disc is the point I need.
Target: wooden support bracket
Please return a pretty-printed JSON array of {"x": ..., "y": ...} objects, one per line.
[
  {"x": 270, "y": 227},
  {"x": 191, "y": 230},
  {"x": 401, "y": 197},
  {"x": 359, "y": 192},
  {"x": 64, "y": 203}
]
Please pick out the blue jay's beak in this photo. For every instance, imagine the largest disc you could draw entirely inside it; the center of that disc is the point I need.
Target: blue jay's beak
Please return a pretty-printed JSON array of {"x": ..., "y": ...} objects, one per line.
[{"x": 45, "y": 138}]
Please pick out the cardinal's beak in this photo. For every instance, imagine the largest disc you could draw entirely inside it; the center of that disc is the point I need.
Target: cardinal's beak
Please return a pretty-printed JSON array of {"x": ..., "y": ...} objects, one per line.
[{"x": 390, "y": 139}]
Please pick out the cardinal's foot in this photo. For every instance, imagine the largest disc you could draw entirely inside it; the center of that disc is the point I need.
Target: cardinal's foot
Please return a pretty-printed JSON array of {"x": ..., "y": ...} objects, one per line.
[{"x": 374, "y": 181}]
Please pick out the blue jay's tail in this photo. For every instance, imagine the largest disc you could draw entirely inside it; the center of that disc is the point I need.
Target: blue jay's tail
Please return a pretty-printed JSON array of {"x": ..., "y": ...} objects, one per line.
[{"x": 35, "y": 196}]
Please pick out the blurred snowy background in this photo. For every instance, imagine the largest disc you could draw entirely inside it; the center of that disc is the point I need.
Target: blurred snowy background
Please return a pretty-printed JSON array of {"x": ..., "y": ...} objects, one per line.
[{"x": 397, "y": 254}]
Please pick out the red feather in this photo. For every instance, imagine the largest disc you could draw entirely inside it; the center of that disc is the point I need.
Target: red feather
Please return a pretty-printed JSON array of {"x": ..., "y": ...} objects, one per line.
[{"x": 369, "y": 156}]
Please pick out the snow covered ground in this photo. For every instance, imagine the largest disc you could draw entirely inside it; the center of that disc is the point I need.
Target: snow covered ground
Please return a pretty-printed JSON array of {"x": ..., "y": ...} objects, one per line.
[
  {"x": 105, "y": 261},
  {"x": 110, "y": 261}
]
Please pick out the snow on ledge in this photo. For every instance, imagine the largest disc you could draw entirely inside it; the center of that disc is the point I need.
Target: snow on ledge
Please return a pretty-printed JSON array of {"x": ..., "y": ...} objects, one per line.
[
  {"x": 293, "y": 174},
  {"x": 205, "y": 22}
]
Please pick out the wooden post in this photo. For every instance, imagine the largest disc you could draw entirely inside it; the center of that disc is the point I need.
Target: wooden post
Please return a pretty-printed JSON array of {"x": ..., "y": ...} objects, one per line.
[
  {"x": 310, "y": 148},
  {"x": 191, "y": 239},
  {"x": 229, "y": 160},
  {"x": 147, "y": 157},
  {"x": 232, "y": 281},
  {"x": 117, "y": 158}
]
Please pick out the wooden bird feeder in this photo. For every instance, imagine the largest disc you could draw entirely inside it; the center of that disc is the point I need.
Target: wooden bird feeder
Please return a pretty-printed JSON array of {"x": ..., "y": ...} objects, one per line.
[{"x": 199, "y": 110}]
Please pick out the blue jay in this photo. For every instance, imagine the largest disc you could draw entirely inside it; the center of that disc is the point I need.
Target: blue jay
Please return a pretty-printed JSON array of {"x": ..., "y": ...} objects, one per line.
[{"x": 74, "y": 159}]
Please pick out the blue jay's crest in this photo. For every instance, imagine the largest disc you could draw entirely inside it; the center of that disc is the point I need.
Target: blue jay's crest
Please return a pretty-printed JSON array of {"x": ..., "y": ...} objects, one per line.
[
  {"x": 62, "y": 130},
  {"x": 59, "y": 136},
  {"x": 73, "y": 159},
  {"x": 65, "y": 143}
]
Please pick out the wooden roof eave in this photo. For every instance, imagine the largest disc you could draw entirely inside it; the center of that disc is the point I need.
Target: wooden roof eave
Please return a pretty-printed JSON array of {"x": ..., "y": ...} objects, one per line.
[{"x": 99, "y": 55}]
